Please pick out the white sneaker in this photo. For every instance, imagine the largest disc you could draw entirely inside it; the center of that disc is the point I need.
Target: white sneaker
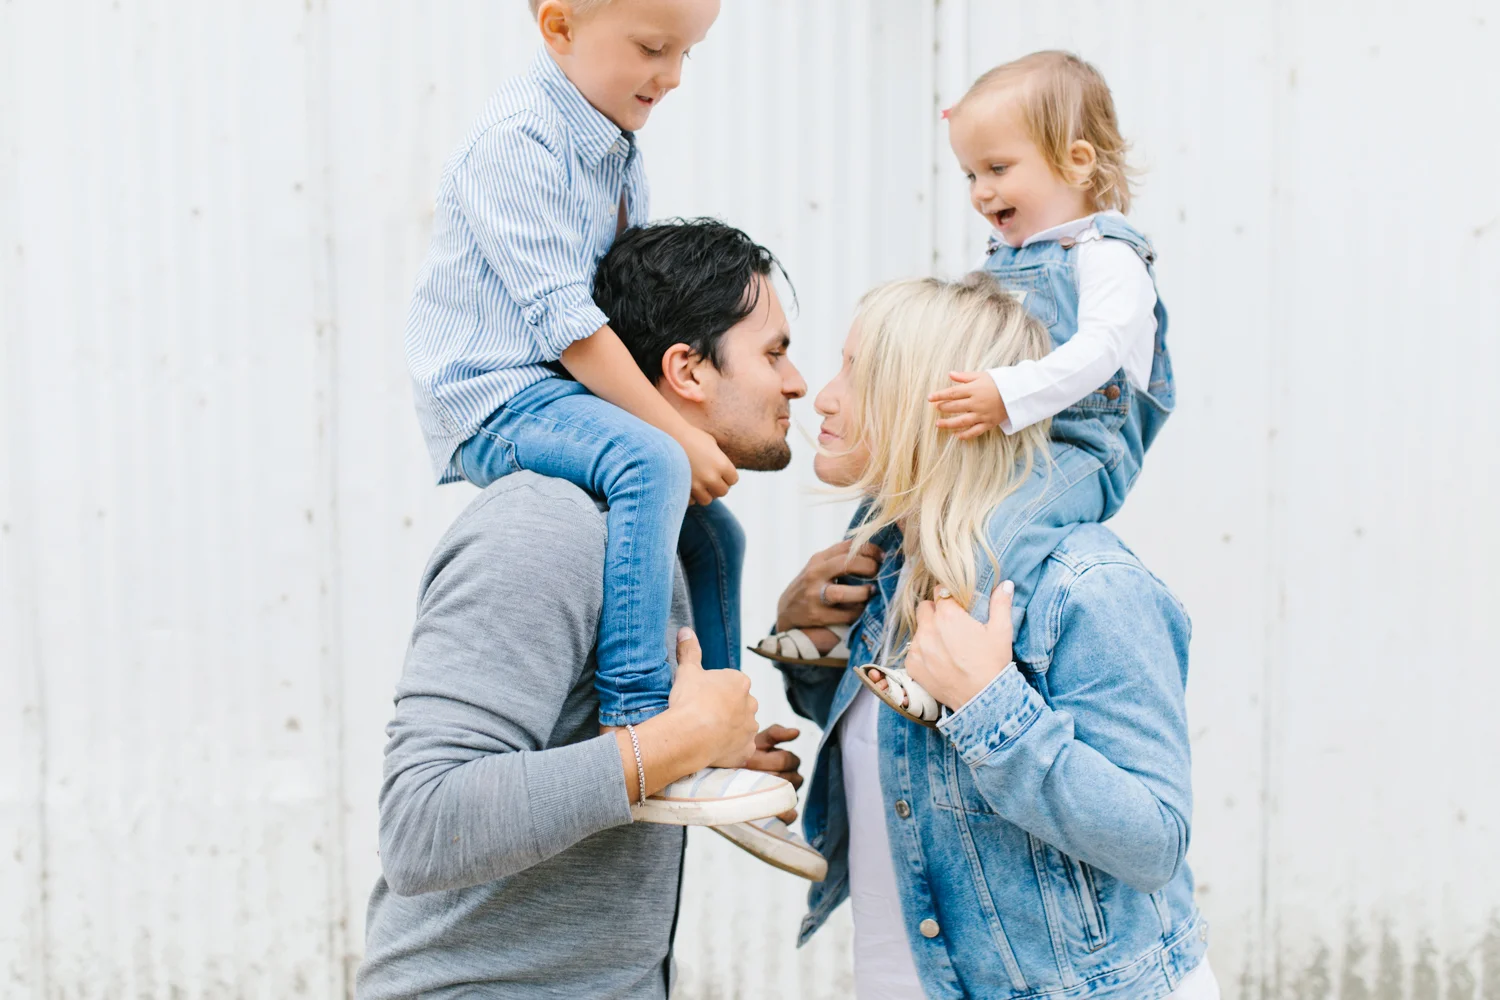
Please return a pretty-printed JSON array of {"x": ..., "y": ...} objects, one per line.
[
  {"x": 716, "y": 796},
  {"x": 777, "y": 844}
]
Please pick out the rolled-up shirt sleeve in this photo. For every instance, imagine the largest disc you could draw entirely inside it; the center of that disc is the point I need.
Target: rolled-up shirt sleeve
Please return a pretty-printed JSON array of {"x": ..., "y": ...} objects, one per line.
[{"x": 513, "y": 188}]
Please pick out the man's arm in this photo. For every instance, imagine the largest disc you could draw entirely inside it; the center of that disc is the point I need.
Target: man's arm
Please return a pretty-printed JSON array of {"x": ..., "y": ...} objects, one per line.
[{"x": 507, "y": 619}]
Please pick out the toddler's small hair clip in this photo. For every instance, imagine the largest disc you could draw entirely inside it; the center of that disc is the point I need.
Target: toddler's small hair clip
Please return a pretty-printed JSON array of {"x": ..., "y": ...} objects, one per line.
[{"x": 946, "y": 113}]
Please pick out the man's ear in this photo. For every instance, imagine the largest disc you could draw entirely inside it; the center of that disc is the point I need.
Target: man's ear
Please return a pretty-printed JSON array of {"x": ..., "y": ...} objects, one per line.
[
  {"x": 555, "y": 19},
  {"x": 681, "y": 373},
  {"x": 1082, "y": 162}
]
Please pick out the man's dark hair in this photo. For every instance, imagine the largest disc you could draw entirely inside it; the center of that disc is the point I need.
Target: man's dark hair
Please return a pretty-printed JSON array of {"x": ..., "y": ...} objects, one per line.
[{"x": 682, "y": 281}]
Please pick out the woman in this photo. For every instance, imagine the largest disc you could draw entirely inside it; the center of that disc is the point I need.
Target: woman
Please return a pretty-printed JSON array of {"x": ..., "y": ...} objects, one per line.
[{"x": 1033, "y": 843}]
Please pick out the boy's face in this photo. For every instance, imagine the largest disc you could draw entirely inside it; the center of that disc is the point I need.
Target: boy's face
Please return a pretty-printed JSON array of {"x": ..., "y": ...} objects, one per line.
[
  {"x": 1011, "y": 183},
  {"x": 627, "y": 55}
]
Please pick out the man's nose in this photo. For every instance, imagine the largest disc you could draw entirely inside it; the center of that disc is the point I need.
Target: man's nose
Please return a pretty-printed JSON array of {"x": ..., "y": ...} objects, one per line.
[{"x": 795, "y": 386}]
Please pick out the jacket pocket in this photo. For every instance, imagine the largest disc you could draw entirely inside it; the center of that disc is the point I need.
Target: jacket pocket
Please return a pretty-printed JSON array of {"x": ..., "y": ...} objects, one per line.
[
  {"x": 952, "y": 782},
  {"x": 1086, "y": 893}
]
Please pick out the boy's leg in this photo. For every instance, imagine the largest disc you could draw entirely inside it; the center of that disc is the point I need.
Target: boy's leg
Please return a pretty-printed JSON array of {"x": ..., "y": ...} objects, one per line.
[
  {"x": 712, "y": 549},
  {"x": 558, "y": 428}
]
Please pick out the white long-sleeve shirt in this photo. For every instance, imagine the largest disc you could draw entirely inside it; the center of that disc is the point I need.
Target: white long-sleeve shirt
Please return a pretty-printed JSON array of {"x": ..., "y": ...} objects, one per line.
[{"x": 1116, "y": 329}]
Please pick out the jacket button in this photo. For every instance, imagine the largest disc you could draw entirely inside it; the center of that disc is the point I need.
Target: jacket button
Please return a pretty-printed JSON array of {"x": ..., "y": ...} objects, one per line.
[
  {"x": 1111, "y": 392},
  {"x": 929, "y": 928},
  {"x": 902, "y": 809}
]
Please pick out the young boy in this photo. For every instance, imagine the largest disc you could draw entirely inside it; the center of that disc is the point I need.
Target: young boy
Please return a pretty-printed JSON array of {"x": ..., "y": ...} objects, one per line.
[{"x": 545, "y": 182}]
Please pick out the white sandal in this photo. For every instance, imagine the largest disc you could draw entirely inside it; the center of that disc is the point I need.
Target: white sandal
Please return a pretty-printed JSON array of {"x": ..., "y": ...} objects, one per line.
[
  {"x": 794, "y": 646},
  {"x": 921, "y": 707}
]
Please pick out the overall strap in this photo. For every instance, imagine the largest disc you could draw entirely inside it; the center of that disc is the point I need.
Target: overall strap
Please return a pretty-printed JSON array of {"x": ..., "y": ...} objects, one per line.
[{"x": 1114, "y": 227}]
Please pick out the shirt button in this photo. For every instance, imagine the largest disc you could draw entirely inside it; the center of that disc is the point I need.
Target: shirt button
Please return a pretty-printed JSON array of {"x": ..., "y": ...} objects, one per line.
[
  {"x": 902, "y": 809},
  {"x": 929, "y": 928}
]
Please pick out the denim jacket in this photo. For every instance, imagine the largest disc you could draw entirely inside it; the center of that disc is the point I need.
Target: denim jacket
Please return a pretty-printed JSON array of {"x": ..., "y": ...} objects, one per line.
[{"x": 1039, "y": 834}]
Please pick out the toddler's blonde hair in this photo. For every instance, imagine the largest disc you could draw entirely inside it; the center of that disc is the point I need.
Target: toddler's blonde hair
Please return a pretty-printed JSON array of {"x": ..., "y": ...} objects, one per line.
[
  {"x": 580, "y": 7},
  {"x": 941, "y": 490},
  {"x": 1063, "y": 99}
]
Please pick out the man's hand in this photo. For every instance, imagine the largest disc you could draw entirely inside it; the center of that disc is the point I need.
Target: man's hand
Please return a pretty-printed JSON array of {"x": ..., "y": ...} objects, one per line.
[
  {"x": 782, "y": 763},
  {"x": 713, "y": 472},
  {"x": 955, "y": 657},
  {"x": 972, "y": 406},
  {"x": 714, "y": 706},
  {"x": 802, "y": 604}
]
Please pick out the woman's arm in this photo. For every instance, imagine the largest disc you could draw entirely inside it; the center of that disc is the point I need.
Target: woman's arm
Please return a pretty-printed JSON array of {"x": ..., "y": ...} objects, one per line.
[{"x": 1102, "y": 773}]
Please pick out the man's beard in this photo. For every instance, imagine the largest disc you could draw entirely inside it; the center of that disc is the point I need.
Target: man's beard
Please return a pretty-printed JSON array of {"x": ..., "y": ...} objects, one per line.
[{"x": 757, "y": 456}]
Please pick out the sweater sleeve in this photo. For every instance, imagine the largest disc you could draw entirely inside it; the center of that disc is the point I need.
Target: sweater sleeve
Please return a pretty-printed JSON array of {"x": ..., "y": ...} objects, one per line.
[{"x": 472, "y": 790}]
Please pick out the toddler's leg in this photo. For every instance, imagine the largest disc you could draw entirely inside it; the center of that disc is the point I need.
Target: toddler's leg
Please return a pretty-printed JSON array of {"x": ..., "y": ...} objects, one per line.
[
  {"x": 1062, "y": 492},
  {"x": 712, "y": 549},
  {"x": 560, "y": 429}
]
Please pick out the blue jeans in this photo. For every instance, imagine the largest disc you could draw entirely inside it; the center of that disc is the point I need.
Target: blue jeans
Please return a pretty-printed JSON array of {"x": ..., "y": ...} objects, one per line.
[
  {"x": 558, "y": 428},
  {"x": 1067, "y": 488}
]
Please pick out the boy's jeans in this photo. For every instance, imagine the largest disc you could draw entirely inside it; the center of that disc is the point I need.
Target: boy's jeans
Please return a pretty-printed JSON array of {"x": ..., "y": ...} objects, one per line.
[{"x": 558, "y": 428}]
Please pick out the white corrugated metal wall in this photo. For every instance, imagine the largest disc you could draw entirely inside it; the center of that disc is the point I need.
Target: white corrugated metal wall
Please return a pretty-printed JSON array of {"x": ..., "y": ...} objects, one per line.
[{"x": 214, "y": 505}]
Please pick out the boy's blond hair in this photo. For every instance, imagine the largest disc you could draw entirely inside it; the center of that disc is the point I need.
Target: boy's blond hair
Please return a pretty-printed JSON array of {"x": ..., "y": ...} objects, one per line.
[
  {"x": 580, "y": 7},
  {"x": 1063, "y": 99}
]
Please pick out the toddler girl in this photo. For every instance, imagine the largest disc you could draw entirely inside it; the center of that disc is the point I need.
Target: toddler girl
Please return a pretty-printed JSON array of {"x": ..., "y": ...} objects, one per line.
[{"x": 1038, "y": 142}]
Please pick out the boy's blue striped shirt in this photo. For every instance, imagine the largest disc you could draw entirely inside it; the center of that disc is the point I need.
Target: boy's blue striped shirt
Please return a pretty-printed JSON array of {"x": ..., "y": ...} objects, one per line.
[{"x": 525, "y": 210}]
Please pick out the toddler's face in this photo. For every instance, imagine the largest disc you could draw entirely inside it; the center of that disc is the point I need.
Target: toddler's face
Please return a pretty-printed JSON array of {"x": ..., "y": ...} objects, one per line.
[
  {"x": 1011, "y": 183},
  {"x": 626, "y": 56}
]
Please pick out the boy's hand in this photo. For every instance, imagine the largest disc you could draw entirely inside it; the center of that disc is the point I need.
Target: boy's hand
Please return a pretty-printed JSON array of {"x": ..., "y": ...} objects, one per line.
[
  {"x": 972, "y": 406},
  {"x": 713, "y": 472}
]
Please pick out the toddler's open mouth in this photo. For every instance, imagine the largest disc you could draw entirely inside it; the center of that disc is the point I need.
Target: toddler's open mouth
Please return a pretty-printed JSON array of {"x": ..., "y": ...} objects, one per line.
[{"x": 1003, "y": 217}]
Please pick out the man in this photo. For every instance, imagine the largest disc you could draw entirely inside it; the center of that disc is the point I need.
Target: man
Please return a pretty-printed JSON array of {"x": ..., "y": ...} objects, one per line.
[{"x": 511, "y": 865}]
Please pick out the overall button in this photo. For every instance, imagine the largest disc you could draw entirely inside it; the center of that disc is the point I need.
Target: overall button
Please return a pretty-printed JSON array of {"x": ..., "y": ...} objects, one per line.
[
  {"x": 1111, "y": 392},
  {"x": 902, "y": 809},
  {"x": 929, "y": 928}
]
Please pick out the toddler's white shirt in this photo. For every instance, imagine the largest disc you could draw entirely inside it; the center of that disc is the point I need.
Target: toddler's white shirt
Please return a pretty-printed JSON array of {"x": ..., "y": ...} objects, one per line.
[{"x": 1116, "y": 329}]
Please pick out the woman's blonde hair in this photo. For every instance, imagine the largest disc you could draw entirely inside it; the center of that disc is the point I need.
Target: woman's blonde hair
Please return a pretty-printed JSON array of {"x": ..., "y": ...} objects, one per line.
[
  {"x": 1063, "y": 99},
  {"x": 940, "y": 490}
]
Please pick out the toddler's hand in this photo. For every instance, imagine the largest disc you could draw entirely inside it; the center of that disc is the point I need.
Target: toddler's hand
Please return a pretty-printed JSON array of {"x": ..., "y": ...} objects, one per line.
[
  {"x": 972, "y": 406},
  {"x": 713, "y": 472}
]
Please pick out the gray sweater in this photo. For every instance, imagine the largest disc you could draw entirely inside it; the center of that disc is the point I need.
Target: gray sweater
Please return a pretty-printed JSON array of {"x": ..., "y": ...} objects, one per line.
[{"x": 511, "y": 867}]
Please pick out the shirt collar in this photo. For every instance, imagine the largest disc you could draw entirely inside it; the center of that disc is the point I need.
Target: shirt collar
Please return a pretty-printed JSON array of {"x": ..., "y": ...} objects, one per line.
[
  {"x": 596, "y": 134},
  {"x": 1071, "y": 229}
]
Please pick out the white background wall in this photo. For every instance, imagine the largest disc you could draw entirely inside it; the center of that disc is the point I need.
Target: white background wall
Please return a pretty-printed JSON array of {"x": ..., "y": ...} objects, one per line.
[{"x": 214, "y": 504}]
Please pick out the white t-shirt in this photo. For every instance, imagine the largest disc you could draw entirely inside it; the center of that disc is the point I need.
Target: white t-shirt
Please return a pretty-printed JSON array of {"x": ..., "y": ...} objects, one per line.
[
  {"x": 883, "y": 966},
  {"x": 1116, "y": 329}
]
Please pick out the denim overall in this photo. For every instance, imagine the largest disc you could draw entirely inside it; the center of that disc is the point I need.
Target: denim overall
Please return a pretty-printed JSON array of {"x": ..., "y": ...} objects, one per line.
[{"x": 1098, "y": 444}]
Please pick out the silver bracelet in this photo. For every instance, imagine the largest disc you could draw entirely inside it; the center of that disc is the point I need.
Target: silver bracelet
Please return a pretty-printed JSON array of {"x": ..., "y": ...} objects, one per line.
[{"x": 640, "y": 768}]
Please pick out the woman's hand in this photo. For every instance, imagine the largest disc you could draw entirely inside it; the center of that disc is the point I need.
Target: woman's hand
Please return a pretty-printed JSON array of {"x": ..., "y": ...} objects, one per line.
[
  {"x": 783, "y": 763},
  {"x": 955, "y": 657},
  {"x": 803, "y": 605}
]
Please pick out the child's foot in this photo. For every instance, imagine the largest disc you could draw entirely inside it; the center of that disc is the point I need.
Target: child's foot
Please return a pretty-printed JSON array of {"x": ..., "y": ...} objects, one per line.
[
  {"x": 718, "y": 796},
  {"x": 777, "y": 844},
  {"x": 895, "y": 687},
  {"x": 807, "y": 647}
]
